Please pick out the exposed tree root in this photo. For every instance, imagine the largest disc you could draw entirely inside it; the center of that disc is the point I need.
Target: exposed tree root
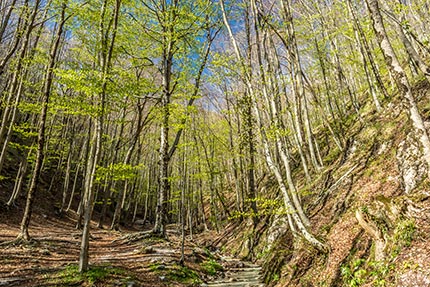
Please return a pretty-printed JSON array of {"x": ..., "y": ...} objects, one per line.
[
  {"x": 130, "y": 238},
  {"x": 374, "y": 232},
  {"x": 20, "y": 240},
  {"x": 323, "y": 196}
]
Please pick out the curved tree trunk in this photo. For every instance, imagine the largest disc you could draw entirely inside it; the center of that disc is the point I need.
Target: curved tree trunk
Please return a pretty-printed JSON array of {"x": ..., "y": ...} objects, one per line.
[{"x": 266, "y": 148}]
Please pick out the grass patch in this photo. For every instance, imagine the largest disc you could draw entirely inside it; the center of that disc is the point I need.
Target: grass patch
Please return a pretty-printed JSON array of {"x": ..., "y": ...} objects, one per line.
[
  {"x": 211, "y": 267},
  {"x": 154, "y": 267},
  {"x": 183, "y": 274},
  {"x": 403, "y": 236},
  {"x": 176, "y": 273},
  {"x": 70, "y": 275},
  {"x": 379, "y": 273},
  {"x": 359, "y": 272}
]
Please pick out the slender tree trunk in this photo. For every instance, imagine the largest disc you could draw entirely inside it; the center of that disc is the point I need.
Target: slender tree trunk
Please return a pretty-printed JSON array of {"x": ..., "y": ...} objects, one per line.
[
  {"x": 249, "y": 124},
  {"x": 41, "y": 134},
  {"x": 23, "y": 24},
  {"x": 400, "y": 76},
  {"x": 269, "y": 160},
  {"x": 169, "y": 8},
  {"x": 83, "y": 152},
  {"x": 121, "y": 195},
  {"x": 5, "y": 22},
  {"x": 19, "y": 180},
  {"x": 367, "y": 49},
  {"x": 11, "y": 124},
  {"x": 282, "y": 150},
  {"x": 415, "y": 58},
  {"x": 18, "y": 69},
  {"x": 162, "y": 207},
  {"x": 106, "y": 58},
  {"x": 66, "y": 178}
]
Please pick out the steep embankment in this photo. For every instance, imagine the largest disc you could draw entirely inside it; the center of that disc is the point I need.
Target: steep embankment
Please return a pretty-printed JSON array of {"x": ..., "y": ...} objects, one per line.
[{"x": 370, "y": 204}]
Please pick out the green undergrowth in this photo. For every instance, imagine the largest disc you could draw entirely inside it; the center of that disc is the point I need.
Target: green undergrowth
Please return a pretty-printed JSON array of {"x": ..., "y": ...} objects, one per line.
[
  {"x": 183, "y": 274},
  {"x": 70, "y": 275},
  {"x": 176, "y": 273},
  {"x": 404, "y": 234},
  {"x": 211, "y": 267},
  {"x": 360, "y": 271}
]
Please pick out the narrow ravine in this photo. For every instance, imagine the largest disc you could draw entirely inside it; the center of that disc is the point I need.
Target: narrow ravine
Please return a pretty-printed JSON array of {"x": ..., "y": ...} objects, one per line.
[{"x": 238, "y": 274}]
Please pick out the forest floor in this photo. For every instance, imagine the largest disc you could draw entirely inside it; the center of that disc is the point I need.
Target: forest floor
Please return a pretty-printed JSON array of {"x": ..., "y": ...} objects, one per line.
[{"x": 51, "y": 258}]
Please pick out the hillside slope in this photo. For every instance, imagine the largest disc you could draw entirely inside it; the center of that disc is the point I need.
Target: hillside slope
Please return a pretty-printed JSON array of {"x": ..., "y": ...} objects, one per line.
[{"x": 371, "y": 204}]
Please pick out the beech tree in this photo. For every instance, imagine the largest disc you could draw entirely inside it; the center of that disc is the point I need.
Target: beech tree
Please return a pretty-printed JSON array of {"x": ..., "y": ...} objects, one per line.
[
  {"x": 176, "y": 22},
  {"x": 42, "y": 123},
  {"x": 293, "y": 210},
  {"x": 108, "y": 30},
  {"x": 400, "y": 76}
]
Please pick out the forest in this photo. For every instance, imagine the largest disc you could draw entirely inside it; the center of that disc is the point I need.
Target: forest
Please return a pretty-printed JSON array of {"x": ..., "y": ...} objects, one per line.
[{"x": 215, "y": 143}]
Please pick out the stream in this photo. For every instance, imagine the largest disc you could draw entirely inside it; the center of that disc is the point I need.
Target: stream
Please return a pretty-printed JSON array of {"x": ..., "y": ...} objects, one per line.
[{"x": 238, "y": 274}]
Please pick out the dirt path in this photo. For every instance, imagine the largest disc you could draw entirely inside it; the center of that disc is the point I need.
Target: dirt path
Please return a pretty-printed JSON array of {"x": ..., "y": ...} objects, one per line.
[{"x": 56, "y": 248}]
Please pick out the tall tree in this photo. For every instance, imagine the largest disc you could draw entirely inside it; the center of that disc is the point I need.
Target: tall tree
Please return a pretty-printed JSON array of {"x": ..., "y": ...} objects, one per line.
[
  {"x": 292, "y": 211},
  {"x": 108, "y": 32},
  {"x": 400, "y": 76},
  {"x": 49, "y": 75},
  {"x": 177, "y": 22}
]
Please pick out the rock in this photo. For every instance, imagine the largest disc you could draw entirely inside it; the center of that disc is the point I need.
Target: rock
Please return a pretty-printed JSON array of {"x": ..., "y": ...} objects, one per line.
[
  {"x": 410, "y": 163},
  {"x": 130, "y": 284},
  {"x": 139, "y": 222},
  {"x": 161, "y": 267},
  {"x": 162, "y": 278},
  {"x": 148, "y": 250},
  {"x": 45, "y": 252}
]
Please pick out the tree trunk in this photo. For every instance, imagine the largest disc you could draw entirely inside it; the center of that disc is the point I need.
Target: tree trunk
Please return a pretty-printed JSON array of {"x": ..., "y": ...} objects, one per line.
[
  {"x": 41, "y": 134},
  {"x": 287, "y": 202},
  {"x": 400, "y": 76},
  {"x": 106, "y": 63}
]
